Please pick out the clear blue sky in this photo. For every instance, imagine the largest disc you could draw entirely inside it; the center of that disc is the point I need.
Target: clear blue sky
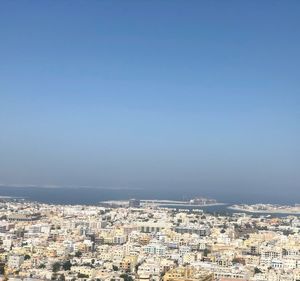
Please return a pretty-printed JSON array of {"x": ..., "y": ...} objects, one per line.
[{"x": 201, "y": 95}]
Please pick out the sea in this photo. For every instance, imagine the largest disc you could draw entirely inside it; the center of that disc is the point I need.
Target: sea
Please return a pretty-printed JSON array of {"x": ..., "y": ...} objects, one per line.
[{"x": 95, "y": 195}]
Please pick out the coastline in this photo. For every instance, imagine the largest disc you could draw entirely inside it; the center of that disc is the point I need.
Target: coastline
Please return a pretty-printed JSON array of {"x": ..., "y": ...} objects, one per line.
[
  {"x": 192, "y": 205},
  {"x": 178, "y": 203},
  {"x": 163, "y": 203},
  {"x": 286, "y": 212}
]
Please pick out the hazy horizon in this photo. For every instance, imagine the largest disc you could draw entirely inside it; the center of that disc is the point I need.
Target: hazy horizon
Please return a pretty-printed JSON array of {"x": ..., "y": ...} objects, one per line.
[{"x": 198, "y": 98}]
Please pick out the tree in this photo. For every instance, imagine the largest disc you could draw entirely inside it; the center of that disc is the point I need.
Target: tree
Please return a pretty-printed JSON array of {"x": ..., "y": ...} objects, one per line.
[
  {"x": 67, "y": 265},
  {"x": 126, "y": 277},
  {"x": 81, "y": 275},
  {"x": 137, "y": 267},
  {"x": 205, "y": 252},
  {"x": 238, "y": 260},
  {"x": 257, "y": 270},
  {"x": 78, "y": 254},
  {"x": 115, "y": 268},
  {"x": 2, "y": 270},
  {"x": 62, "y": 277},
  {"x": 56, "y": 267},
  {"x": 27, "y": 257}
]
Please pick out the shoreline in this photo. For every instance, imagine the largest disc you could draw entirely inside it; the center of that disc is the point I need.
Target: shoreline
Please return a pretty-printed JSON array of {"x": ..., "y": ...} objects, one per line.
[
  {"x": 163, "y": 203},
  {"x": 286, "y": 212},
  {"x": 192, "y": 205}
]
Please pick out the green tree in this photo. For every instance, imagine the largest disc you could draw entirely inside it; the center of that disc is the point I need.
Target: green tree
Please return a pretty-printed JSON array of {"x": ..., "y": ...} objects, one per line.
[
  {"x": 257, "y": 270},
  {"x": 56, "y": 267},
  {"x": 62, "y": 277},
  {"x": 126, "y": 277},
  {"x": 81, "y": 275},
  {"x": 78, "y": 254},
  {"x": 206, "y": 252},
  {"x": 67, "y": 265}
]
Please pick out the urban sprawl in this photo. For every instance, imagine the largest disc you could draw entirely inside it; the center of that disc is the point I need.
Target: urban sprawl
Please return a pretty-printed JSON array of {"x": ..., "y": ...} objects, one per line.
[{"x": 144, "y": 243}]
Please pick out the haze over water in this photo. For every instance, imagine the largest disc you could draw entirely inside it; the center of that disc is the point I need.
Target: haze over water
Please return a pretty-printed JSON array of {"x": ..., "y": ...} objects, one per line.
[{"x": 90, "y": 196}]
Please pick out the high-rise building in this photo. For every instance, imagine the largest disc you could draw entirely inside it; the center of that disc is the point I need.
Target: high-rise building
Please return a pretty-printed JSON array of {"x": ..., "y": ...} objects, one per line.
[{"x": 134, "y": 203}]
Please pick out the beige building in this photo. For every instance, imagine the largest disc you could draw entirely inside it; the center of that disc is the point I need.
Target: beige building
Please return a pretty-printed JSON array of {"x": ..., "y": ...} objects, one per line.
[{"x": 188, "y": 274}]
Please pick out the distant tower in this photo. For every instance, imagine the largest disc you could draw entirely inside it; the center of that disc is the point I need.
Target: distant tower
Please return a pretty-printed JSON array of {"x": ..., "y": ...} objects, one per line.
[{"x": 134, "y": 203}]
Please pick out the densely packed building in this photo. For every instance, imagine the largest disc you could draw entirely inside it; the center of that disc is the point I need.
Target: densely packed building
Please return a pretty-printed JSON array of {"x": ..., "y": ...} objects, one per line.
[{"x": 62, "y": 242}]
